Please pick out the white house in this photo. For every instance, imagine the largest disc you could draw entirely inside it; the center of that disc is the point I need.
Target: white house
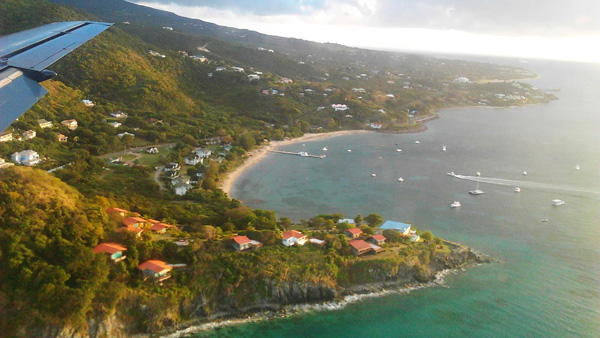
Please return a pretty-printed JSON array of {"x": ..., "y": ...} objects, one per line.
[
  {"x": 237, "y": 69},
  {"x": 293, "y": 237},
  {"x": 203, "y": 152},
  {"x": 6, "y": 137},
  {"x": 88, "y": 103},
  {"x": 221, "y": 68},
  {"x": 125, "y": 134},
  {"x": 338, "y": 107},
  {"x": 193, "y": 159},
  {"x": 44, "y": 124},
  {"x": 376, "y": 125},
  {"x": 346, "y": 220},
  {"x": 70, "y": 124},
  {"x": 462, "y": 79},
  {"x": 29, "y": 134},
  {"x": 115, "y": 124},
  {"x": 181, "y": 188},
  {"x": 152, "y": 150},
  {"x": 253, "y": 77},
  {"x": 118, "y": 115},
  {"x": 4, "y": 164},
  {"x": 26, "y": 157}
]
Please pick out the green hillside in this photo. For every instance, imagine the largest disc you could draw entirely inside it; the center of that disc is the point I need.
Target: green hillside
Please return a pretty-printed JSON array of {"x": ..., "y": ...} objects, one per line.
[{"x": 49, "y": 277}]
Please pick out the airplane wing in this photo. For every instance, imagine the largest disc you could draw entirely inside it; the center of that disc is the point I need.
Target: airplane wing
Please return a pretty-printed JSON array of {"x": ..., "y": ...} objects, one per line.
[{"x": 24, "y": 57}]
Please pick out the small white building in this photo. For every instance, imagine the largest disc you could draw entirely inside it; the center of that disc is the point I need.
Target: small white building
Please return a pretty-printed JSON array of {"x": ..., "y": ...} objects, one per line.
[
  {"x": 346, "y": 220},
  {"x": 193, "y": 159},
  {"x": 237, "y": 69},
  {"x": 203, "y": 152},
  {"x": 88, "y": 103},
  {"x": 125, "y": 134},
  {"x": 4, "y": 164},
  {"x": 29, "y": 134},
  {"x": 376, "y": 125},
  {"x": 115, "y": 124},
  {"x": 44, "y": 124},
  {"x": 118, "y": 115},
  {"x": 338, "y": 107},
  {"x": 181, "y": 188},
  {"x": 253, "y": 77},
  {"x": 293, "y": 237},
  {"x": 26, "y": 157},
  {"x": 70, "y": 124},
  {"x": 6, "y": 136}
]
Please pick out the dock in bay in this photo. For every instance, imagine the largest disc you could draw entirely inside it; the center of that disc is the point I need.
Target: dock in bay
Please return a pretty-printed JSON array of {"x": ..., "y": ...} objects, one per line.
[{"x": 301, "y": 153}]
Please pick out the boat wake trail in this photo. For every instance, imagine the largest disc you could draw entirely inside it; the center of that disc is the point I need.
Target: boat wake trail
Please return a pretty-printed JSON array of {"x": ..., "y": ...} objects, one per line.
[{"x": 530, "y": 185}]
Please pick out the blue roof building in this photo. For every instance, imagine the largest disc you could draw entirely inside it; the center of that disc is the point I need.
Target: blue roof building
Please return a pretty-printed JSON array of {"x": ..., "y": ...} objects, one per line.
[{"x": 399, "y": 226}]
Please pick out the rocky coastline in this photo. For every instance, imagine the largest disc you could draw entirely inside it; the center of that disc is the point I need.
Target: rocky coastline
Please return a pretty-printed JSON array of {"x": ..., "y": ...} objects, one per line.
[{"x": 286, "y": 299}]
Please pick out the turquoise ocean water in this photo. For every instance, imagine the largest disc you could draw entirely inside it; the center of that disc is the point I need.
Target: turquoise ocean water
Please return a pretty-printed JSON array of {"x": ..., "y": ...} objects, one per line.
[{"x": 547, "y": 283}]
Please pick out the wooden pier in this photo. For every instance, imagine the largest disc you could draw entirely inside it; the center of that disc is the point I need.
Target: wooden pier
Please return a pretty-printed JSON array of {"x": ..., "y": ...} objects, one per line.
[{"x": 301, "y": 153}]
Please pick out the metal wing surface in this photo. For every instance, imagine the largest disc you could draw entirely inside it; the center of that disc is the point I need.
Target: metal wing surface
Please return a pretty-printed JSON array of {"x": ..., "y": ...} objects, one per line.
[{"x": 24, "y": 57}]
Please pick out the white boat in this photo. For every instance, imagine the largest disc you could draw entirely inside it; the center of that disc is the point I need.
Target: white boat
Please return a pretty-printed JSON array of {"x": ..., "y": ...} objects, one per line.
[
  {"x": 443, "y": 148},
  {"x": 577, "y": 167},
  {"x": 451, "y": 173},
  {"x": 417, "y": 142},
  {"x": 398, "y": 150},
  {"x": 373, "y": 175},
  {"x": 303, "y": 153},
  {"x": 476, "y": 191},
  {"x": 324, "y": 149},
  {"x": 544, "y": 220},
  {"x": 558, "y": 202},
  {"x": 524, "y": 173},
  {"x": 349, "y": 150},
  {"x": 517, "y": 189},
  {"x": 455, "y": 204},
  {"x": 400, "y": 179}
]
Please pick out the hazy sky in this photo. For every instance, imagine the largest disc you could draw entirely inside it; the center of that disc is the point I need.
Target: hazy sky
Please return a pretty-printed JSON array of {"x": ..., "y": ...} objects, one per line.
[{"x": 558, "y": 29}]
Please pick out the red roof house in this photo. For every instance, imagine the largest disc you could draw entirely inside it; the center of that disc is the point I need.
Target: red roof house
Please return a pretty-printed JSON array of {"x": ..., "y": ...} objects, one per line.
[
  {"x": 136, "y": 222},
  {"x": 360, "y": 247},
  {"x": 353, "y": 233},
  {"x": 136, "y": 231},
  {"x": 293, "y": 237},
  {"x": 161, "y": 228},
  {"x": 118, "y": 211},
  {"x": 377, "y": 239},
  {"x": 241, "y": 243},
  {"x": 114, "y": 250},
  {"x": 155, "y": 270}
]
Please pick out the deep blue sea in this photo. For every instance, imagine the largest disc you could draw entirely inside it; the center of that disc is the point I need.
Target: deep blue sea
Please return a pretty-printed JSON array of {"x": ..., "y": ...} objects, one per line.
[{"x": 547, "y": 281}]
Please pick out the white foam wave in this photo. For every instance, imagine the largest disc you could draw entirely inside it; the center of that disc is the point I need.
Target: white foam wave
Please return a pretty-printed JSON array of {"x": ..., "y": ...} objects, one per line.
[
  {"x": 305, "y": 308},
  {"x": 528, "y": 184}
]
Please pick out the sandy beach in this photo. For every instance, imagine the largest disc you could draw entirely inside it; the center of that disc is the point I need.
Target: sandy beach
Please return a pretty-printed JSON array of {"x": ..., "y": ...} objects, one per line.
[{"x": 256, "y": 155}]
